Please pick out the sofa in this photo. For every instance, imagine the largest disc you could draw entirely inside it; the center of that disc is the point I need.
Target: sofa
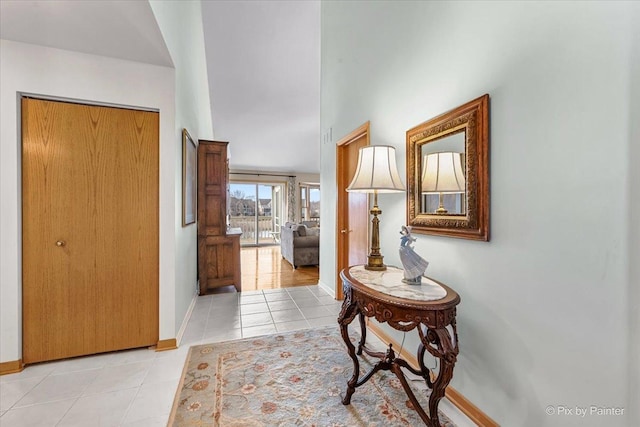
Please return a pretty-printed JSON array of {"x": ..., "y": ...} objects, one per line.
[{"x": 299, "y": 244}]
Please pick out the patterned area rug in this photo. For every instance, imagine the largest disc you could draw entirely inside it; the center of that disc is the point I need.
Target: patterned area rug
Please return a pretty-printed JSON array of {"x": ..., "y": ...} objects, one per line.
[{"x": 289, "y": 379}]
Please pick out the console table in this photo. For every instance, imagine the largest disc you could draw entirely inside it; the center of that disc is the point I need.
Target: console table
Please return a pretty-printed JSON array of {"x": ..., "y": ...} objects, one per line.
[{"x": 430, "y": 308}]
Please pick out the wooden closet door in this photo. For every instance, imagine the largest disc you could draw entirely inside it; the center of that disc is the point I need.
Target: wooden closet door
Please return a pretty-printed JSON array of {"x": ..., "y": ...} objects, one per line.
[
  {"x": 352, "y": 244},
  {"x": 89, "y": 229}
]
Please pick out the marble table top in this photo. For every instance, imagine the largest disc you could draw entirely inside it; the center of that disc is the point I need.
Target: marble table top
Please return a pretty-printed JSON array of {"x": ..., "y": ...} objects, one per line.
[{"x": 390, "y": 282}]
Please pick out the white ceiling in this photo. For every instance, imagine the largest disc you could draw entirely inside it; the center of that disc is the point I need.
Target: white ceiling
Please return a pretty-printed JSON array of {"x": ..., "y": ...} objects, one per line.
[
  {"x": 263, "y": 60},
  {"x": 118, "y": 29}
]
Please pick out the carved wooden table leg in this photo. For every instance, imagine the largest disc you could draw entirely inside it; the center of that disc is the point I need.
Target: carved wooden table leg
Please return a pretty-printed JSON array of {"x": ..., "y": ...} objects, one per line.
[
  {"x": 346, "y": 316},
  {"x": 363, "y": 333},
  {"x": 447, "y": 352},
  {"x": 396, "y": 369}
]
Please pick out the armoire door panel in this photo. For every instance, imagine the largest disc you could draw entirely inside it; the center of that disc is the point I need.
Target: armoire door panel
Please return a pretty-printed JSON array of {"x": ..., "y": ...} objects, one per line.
[
  {"x": 219, "y": 249},
  {"x": 90, "y": 229},
  {"x": 214, "y": 221},
  {"x": 214, "y": 172},
  {"x": 219, "y": 262}
]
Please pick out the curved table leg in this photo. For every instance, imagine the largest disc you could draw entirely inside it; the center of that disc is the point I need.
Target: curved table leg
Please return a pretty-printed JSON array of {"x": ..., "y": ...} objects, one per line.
[
  {"x": 447, "y": 362},
  {"x": 423, "y": 369},
  {"x": 363, "y": 333},
  {"x": 447, "y": 353},
  {"x": 346, "y": 316},
  {"x": 396, "y": 369},
  {"x": 351, "y": 384}
]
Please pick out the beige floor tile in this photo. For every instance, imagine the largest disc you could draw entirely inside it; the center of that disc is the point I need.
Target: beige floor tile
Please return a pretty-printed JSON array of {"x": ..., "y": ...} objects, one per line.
[
  {"x": 119, "y": 377},
  {"x": 59, "y": 387},
  {"x": 153, "y": 400},
  {"x": 99, "y": 410},
  {"x": 291, "y": 326},
  {"x": 256, "y": 319},
  {"x": 254, "y": 308},
  {"x": 12, "y": 392},
  {"x": 42, "y": 415},
  {"x": 287, "y": 315},
  {"x": 258, "y": 330}
]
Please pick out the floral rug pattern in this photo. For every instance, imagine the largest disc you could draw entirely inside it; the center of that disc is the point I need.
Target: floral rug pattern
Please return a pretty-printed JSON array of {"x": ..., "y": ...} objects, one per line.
[{"x": 288, "y": 379}]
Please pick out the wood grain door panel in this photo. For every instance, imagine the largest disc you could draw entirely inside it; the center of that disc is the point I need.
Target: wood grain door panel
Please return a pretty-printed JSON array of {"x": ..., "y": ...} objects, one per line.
[
  {"x": 221, "y": 249},
  {"x": 215, "y": 223},
  {"x": 90, "y": 229},
  {"x": 352, "y": 208},
  {"x": 212, "y": 189}
]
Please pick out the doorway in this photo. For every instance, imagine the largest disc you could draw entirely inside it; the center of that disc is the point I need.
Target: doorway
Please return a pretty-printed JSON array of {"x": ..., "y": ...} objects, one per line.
[
  {"x": 352, "y": 242},
  {"x": 257, "y": 208}
]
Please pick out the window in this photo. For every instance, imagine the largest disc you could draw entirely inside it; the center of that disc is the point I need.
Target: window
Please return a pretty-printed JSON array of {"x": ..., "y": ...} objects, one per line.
[
  {"x": 257, "y": 209},
  {"x": 310, "y": 202}
]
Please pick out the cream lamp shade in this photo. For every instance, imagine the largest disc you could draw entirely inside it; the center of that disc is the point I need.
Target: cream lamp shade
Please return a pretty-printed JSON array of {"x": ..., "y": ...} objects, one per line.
[
  {"x": 442, "y": 173},
  {"x": 377, "y": 171}
]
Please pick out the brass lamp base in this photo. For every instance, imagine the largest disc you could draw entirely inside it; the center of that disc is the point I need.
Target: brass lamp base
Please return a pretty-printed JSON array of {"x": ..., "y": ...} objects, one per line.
[
  {"x": 441, "y": 210},
  {"x": 375, "y": 257},
  {"x": 375, "y": 263}
]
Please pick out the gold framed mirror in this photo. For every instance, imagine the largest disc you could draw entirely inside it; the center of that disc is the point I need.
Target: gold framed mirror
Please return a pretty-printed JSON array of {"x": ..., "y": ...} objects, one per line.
[{"x": 448, "y": 173}]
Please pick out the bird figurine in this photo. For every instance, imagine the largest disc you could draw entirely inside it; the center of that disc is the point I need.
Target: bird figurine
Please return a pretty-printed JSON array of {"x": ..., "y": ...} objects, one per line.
[{"x": 414, "y": 265}]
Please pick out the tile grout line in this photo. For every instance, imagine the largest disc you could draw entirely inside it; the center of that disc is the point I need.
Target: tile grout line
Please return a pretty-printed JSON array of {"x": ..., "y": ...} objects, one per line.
[
  {"x": 67, "y": 411},
  {"x": 206, "y": 323},
  {"x": 304, "y": 316},
  {"x": 52, "y": 374},
  {"x": 29, "y": 391},
  {"x": 126, "y": 412}
]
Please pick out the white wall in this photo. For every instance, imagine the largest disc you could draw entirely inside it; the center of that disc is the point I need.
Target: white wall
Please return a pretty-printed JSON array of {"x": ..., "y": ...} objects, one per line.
[
  {"x": 544, "y": 313},
  {"x": 634, "y": 222},
  {"x": 181, "y": 25},
  {"x": 64, "y": 74}
]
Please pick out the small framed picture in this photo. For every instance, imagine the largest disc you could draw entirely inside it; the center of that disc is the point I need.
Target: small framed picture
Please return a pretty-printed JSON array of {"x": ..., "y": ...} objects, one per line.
[{"x": 189, "y": 190}]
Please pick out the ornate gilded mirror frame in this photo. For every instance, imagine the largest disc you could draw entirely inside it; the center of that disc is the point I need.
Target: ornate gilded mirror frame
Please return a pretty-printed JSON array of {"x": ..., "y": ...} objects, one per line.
[{"x": 471, "y": 118}]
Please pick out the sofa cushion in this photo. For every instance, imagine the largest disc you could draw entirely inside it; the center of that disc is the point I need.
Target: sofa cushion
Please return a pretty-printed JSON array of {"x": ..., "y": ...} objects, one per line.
[
  {"x": 302, "y": 230},
  {"x": 306, "y": 242}
]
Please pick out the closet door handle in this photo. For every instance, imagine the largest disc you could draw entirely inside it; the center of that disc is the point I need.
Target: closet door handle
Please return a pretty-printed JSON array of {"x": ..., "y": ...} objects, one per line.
[
  {"x": 60, "y": 243},
  {"x": 345, "y": 231}
]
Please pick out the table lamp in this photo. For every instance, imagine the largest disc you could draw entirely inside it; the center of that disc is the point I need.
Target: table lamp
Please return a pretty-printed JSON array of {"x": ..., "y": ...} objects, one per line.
[
  {"x": 376, "y": 173},
  {"x": 442, "y": 174}
]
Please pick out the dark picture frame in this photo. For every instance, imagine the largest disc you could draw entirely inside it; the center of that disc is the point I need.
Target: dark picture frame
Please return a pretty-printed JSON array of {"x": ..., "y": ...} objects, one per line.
[{"x": 189, "y": 182}]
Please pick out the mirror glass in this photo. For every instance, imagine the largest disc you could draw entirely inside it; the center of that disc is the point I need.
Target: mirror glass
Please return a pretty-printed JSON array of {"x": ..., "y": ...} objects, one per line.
[
  {"x": 443, "y": 176},
  {"x": 448, "y": 173}
]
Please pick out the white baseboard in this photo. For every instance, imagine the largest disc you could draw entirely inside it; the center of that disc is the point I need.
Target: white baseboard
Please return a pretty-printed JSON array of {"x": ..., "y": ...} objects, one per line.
[
  {"x": 185, "y": 321},
  {"x": 330, "y": 290}
]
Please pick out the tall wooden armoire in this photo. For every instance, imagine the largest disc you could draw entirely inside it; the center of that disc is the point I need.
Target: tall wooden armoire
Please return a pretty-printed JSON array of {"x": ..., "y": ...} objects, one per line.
[{"x": 218, "y": 251}]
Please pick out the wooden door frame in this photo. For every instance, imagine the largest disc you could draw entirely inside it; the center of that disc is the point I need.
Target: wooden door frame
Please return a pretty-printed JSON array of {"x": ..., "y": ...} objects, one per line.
[{"x": 342, "y": 197}]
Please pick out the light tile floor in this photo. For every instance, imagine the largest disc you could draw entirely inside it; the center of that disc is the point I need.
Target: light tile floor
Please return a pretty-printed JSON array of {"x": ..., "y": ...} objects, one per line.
[{"x": 136, "y": 388}]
